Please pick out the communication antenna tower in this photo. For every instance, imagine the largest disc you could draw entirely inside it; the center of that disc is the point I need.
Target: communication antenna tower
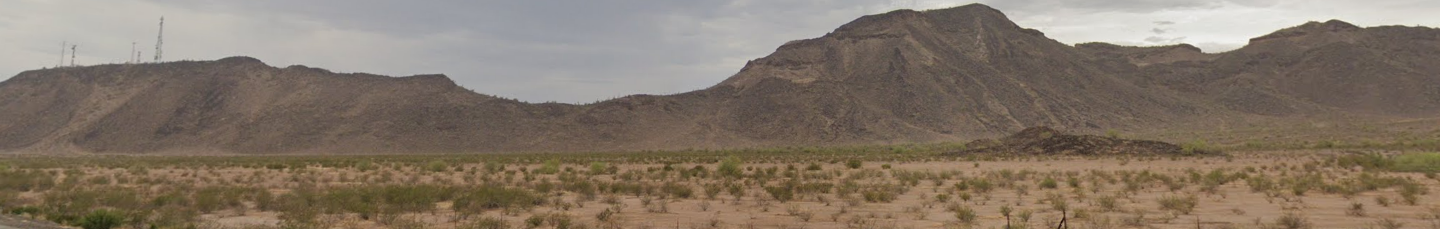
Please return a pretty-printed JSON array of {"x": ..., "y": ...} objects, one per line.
[
  {"x": 160, "y": 39},
  {"x": 72, "y": 55},
  {"x": 62, "y": 54}
]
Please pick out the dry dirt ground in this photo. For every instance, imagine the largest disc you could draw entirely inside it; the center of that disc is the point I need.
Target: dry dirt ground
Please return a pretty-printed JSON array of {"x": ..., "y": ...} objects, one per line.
[{"x": 1271, "y": 189}]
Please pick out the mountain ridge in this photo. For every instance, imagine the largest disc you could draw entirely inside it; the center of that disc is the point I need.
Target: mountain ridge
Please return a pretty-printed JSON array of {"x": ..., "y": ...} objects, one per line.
[{"x": 904, "y": 76}]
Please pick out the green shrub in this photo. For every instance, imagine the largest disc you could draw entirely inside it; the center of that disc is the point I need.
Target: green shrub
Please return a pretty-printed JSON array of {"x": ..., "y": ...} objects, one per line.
[
  {"x": 730, "y": 167},
  {"x": 25, "y": 180},
  {"x": 1049, "y": 183},
  {"x": 597, "y": 168},
  {"x": 853, "y": 163},
  {"x": 1183, "y": 205},
  {"x": 493, "y": 197},
  {"x": 678, "y": 190},
  {"x": 487, "y": 223},
  {"x": 965, "y": 214},
  {"x": 1416, "y": 162},
  {"x": 1195, "y": 147},
  {"x": 437, "y": 166},
  {"x": 22, "y": 210},
  {"x": 551, "y": 166},
  {"x": 102, "y": 219},
  {"x": 1108, "y": 203},
  {"x": 878, "y": 195},
  {"x": 781, "y": 193}
]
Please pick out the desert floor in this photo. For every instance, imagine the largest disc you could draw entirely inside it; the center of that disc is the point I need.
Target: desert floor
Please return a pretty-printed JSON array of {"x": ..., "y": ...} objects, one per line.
[{"x": 1260, "y": 189}]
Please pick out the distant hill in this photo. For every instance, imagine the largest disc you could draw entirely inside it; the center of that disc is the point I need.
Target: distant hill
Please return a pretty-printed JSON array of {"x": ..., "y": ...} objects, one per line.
[{"x": 905, "y": 76}]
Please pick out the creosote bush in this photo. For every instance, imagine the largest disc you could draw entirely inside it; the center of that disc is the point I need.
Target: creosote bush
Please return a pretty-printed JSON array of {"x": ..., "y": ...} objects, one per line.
[
  {"x": 730, "y": 167},
  {"x": 102, "y": 219}
]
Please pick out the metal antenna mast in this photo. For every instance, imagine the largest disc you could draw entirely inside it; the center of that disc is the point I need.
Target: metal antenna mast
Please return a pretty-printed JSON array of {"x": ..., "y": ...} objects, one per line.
[
  {"x": 160, "y": 39},
  {"x": 72, "y": 55},
  {"x": 62, "y": 54}
]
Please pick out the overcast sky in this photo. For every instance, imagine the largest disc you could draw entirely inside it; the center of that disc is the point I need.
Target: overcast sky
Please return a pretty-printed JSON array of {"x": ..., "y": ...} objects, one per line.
[{"x": 582, "y": 51}]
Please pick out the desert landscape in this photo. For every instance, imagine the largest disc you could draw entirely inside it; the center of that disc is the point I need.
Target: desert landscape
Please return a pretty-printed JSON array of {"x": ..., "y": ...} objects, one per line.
[
  {"x": 899, "y": 186},
  {"x": 945, "y": 118}
]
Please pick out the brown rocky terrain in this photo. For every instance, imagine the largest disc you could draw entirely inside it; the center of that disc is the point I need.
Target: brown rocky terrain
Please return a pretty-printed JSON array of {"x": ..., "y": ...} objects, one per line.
[
  {"x": 1046, "y": 141},
  {"x": 904, "y": 76}
]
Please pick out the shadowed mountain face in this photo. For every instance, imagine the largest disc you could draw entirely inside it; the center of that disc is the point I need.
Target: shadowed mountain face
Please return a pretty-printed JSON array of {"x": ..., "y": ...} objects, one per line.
[{"x": 904, "y": 76}]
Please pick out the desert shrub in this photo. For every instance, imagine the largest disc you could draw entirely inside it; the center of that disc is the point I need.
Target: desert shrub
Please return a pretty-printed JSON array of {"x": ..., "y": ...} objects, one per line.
[
  {"x": 487, "y": 223},
  {"x": 494, "y": 197},
  {"x": 1260, "y": 184},
  {"x": 678, "y": 190},
  {"x": 299, "y": 217},
  {"x": 730, "y": 167},
  {"x": 102, "y": 219},
  {"x": 493, "y": 167},
  {"x": 437, "y": 166},
  {"x": 880, "y": 193},
  {"x": 979, "y": 185},
  {"x": 813, "y": 188},
  {"x": 712, "y": 190},
  {"x": 556, "y": 220},
  {"x": 366, "y": 166},
  {"x": 1292, "y": 220},
  {"x": 1049, "y": 183},
  {"x": 70, "y": 205},
  {"x": 597, "y": 168},
  {"x": 853, "y": 163},
  {"x": 26, "y": 180},
  {"x": 965, "y": 214},
  {"x": 551, "y": 166},
  {"x": 173, "y": 217},
  {"x": 413, "y": 198},
  {"x": 1368, "y": 161},
  {"x": 24, "y": 210},
  {"x": 1183, "y": 205},
  {"x": 1195, "y": 147},
  {"x": 1356, "y": 210},
  {"x": 781, "y": 193},
  {"x": 1409, "y": 162},
  {"x": 605, "y": 215},
  {"x": 210, "y": 199},
  {"x": 1107, "y": 203},
  {"x": 1410, "y": 192},
  {"x": 1416, "y": 162}
]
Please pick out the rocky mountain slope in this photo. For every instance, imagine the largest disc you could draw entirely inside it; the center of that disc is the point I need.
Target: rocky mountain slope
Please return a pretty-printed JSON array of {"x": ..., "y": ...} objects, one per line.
[{"x": 904, "y": 76}]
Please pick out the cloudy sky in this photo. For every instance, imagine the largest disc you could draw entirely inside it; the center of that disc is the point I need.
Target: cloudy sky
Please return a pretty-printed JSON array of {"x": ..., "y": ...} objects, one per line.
[{"x": 581, "y": 51}]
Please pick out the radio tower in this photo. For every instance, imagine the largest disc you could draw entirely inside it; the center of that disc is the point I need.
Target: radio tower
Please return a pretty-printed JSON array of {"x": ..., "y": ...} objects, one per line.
[
  {"x": 72, "y": 55},
  {"x": 62, "y": 54},
  {"x": 160, "y": 39}
]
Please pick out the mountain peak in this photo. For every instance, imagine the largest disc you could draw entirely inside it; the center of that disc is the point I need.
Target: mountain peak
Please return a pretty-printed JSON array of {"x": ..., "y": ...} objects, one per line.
[
  {"x": 240, "y": 59},
  {"x": 898, "y": 23},
  {"x": 972, "y": 9},
  {"x": 1310, "y": 28}
]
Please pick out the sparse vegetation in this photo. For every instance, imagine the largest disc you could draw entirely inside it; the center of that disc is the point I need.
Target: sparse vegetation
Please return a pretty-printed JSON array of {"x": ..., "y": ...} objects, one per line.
[{"x": 623, "y": 190}]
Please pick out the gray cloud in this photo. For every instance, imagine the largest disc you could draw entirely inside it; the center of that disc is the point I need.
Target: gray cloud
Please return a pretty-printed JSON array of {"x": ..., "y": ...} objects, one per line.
[
  {"x": 583, "y": 51},
  {"x": 1164, "y": 40}
]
